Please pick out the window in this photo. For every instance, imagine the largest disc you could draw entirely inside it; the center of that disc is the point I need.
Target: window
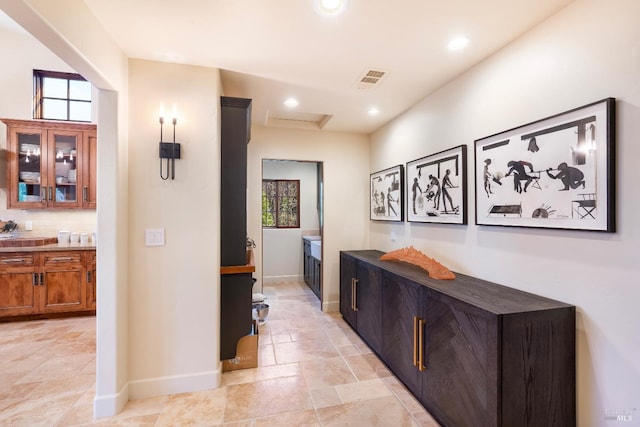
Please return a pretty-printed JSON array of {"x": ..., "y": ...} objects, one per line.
[
  {"x": 61, "y": 96},
  {"x": 280, "y": 203}
]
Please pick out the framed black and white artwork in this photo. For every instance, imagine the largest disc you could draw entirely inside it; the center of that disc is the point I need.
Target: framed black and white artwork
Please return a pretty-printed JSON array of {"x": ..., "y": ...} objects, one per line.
[
  {"x": 387, "y": 191},
  {"x": 557, "y": 172},
  {"x": 437, "y": 187}
]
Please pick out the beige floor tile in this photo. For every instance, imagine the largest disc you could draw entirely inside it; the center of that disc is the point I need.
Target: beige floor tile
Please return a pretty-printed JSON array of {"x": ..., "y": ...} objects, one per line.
[
  {"x": 363, "y": 390},
  {"x": 384, "y": 412},
  {"x": 299, "y": 351},
  {"x": 266, "y": 355},
  {"x": 367, "y": 366},
  {"x": 313, "y": 370},
  {"x": 326, "y": 372},
  {"x": 194, "y": 409},
  {"x": 143, "y": 407},
  {"x": 326, "y": 396},
  {"x": 268, "y": 397},
  {"x": 58, "y": 368},
  {"x": 289, "y": 419}
]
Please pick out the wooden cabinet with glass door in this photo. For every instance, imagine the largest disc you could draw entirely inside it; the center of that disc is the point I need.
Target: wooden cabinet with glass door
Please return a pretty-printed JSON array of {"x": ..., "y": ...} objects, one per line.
[{"x": 50, "y": 164}]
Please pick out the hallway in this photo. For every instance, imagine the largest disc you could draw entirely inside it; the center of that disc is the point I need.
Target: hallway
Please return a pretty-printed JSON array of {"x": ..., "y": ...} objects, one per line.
[{"x": 313, "y": 371}]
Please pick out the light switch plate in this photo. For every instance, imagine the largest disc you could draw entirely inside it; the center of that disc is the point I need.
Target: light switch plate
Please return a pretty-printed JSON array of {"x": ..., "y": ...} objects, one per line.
[
  {"x": 28, "y": 225},
  {"x": 154, "y": 236}
]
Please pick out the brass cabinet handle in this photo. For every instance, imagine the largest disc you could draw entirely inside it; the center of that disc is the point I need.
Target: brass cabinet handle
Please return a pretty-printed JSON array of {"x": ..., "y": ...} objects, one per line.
[
  {"x": 34, "y": 280},
  {"x": 421, "y": 324},
  {"x": 352, "y": 291},
  {"x": 41, "y": 279},
  {"x": 61, "y": 258},
  {"x": 88, "y": 277},
  {"x": 50, "y": 193},
  {"x": 415, "y": 340},
  {"x": 84, "y": 194},
  {"x": 12, "y": 260},
  {"x": 354, "y": 294}
]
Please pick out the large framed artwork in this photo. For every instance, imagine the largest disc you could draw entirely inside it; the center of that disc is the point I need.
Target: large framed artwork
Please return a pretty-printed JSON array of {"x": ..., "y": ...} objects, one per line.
[
  {"x": 558, "y": 172},
  {"x": 437, "y": 187},
  {"x": 387, "y": 189}
]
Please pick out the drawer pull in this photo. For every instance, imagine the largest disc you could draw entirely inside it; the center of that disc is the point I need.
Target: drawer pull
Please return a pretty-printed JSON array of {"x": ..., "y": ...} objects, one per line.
[
  {"x": 354, "y": 295},
  {"x": 421, "y": 326},
  {"x": 12, "y": 260},
  {"x": 415, "y": 340},
  {"x": 61, "y": 258}
]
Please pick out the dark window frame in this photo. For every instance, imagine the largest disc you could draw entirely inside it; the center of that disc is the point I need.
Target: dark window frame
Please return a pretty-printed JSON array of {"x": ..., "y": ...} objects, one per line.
[
  {"x": 278, "y": 225},
  {"x": 38, "y": 98}
]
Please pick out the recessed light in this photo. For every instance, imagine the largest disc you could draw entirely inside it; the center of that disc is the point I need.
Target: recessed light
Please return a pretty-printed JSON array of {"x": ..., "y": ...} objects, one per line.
[
  {"x": 291, "y": 102},
  {"x": 330, "y": 7},
  {"x": 373, "y": 111},
  {"x": 458, "y": 43}
]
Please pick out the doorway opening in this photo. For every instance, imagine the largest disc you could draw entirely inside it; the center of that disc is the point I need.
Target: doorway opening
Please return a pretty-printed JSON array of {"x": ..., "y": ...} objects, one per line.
[{"x": 293, "y": 252}]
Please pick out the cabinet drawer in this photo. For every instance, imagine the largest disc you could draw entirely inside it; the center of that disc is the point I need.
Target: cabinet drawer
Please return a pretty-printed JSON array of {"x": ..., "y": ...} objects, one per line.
[
  {"x": 57, "y": 258},
  {"x": 17, "y": 259}
]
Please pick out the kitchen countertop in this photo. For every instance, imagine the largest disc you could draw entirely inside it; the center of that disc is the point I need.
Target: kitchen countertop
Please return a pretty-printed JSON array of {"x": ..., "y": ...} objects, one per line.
[{"x": 50, "y": 247}]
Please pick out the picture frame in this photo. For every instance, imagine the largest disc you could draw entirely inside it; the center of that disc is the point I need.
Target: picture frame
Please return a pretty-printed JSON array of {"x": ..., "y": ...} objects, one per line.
[
  {"x": 387, "y": 194},
  {"x": 556, "y": 173},
  {"x": 437, "y": 187}
]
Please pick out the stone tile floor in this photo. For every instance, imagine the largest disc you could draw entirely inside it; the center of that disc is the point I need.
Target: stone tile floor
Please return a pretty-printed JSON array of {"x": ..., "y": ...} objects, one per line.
[{"x": 313, "y": 370}]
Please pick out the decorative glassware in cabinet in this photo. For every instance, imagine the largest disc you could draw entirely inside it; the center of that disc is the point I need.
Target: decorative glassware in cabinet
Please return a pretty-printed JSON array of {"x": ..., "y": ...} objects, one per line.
[
  {"x": 29, "y": 167},
  {"x": 66, "y": 154}
]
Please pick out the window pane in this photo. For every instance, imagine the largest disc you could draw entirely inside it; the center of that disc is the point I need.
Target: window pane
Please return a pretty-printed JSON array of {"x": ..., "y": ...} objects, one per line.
[
  {"x": 54, "y": 88},
  {"x": 80, "y": 111},
  {"x": 268, "y": 203},
  {"x": 54, "y": 109},
  {"x": 79, "y": 89}
]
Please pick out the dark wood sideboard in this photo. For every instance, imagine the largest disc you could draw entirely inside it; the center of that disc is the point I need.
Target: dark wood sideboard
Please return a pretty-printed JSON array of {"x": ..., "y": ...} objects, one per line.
[{"x": 474, "y": 353}]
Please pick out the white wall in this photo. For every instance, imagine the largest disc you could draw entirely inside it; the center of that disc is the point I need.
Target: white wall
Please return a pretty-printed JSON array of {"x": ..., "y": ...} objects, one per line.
[
  {"x": 282, "y": 248},
  {"x": 346, "y": 173},
  {"x": 174, "y": 290},
  {"x": 587, "y": 52}
]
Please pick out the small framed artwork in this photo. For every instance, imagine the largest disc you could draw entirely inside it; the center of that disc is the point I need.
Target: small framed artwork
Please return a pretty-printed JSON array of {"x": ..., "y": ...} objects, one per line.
[
  {"x": 387, "y": 189},
  {"x": 437, "y": 187},
  {"x": 557, "y": 172}
]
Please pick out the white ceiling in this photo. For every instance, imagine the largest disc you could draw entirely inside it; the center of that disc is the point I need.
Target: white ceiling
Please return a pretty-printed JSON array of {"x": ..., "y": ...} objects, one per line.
[{"x": 269, "y": 50}]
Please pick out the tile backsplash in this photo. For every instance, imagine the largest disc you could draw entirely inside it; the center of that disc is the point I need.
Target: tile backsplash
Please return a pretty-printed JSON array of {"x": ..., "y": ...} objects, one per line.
[{"x": 47, "y": 223}]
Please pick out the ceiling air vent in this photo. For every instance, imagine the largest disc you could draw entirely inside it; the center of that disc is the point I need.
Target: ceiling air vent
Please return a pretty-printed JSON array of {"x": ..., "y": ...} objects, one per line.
[{"x": 370, "y": 79}]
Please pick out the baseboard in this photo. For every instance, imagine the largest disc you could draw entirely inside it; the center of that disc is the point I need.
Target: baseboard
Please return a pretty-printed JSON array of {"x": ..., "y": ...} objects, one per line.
[
  {"x": 162, "y": 386},
  {"x": 110, "y": 405},
  {"x": 330, "y": 306},
  {"x": 286, "y": 278}
]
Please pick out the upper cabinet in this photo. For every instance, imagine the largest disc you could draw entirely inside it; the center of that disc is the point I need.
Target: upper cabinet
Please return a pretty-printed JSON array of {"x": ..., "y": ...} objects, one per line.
[{"x": 51, "y": 164}]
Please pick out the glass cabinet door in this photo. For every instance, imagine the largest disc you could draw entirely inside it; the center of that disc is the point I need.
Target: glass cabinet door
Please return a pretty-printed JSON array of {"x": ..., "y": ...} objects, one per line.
[
  {"x": 65, "y": 155},
  {"x": 30, "y": 164}
]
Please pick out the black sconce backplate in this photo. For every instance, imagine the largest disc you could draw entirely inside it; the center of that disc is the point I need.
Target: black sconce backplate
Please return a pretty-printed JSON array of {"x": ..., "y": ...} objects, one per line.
[{"x": 167, "y": 148}]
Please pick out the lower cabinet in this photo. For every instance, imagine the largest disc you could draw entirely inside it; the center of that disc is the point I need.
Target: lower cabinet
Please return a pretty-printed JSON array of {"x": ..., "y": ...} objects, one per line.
[
  {"x": 474, "y": 353},
  {"x": 40, "y": 283},
  {"x": 360, "y": 298},
  {"x": 236, "y": 319},
  {"x": 312, "y": 269},
  {"x": 19, "y": 280}
]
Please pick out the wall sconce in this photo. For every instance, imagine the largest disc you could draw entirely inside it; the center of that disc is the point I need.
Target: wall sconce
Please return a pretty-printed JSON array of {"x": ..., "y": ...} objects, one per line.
[{"x": 169, "y": 150}]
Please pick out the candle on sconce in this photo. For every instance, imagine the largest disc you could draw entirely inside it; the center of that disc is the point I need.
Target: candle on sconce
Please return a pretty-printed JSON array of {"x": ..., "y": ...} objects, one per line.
[
  {"x": 161, "y": 113},
  {"x": 175, "y": 114}
]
